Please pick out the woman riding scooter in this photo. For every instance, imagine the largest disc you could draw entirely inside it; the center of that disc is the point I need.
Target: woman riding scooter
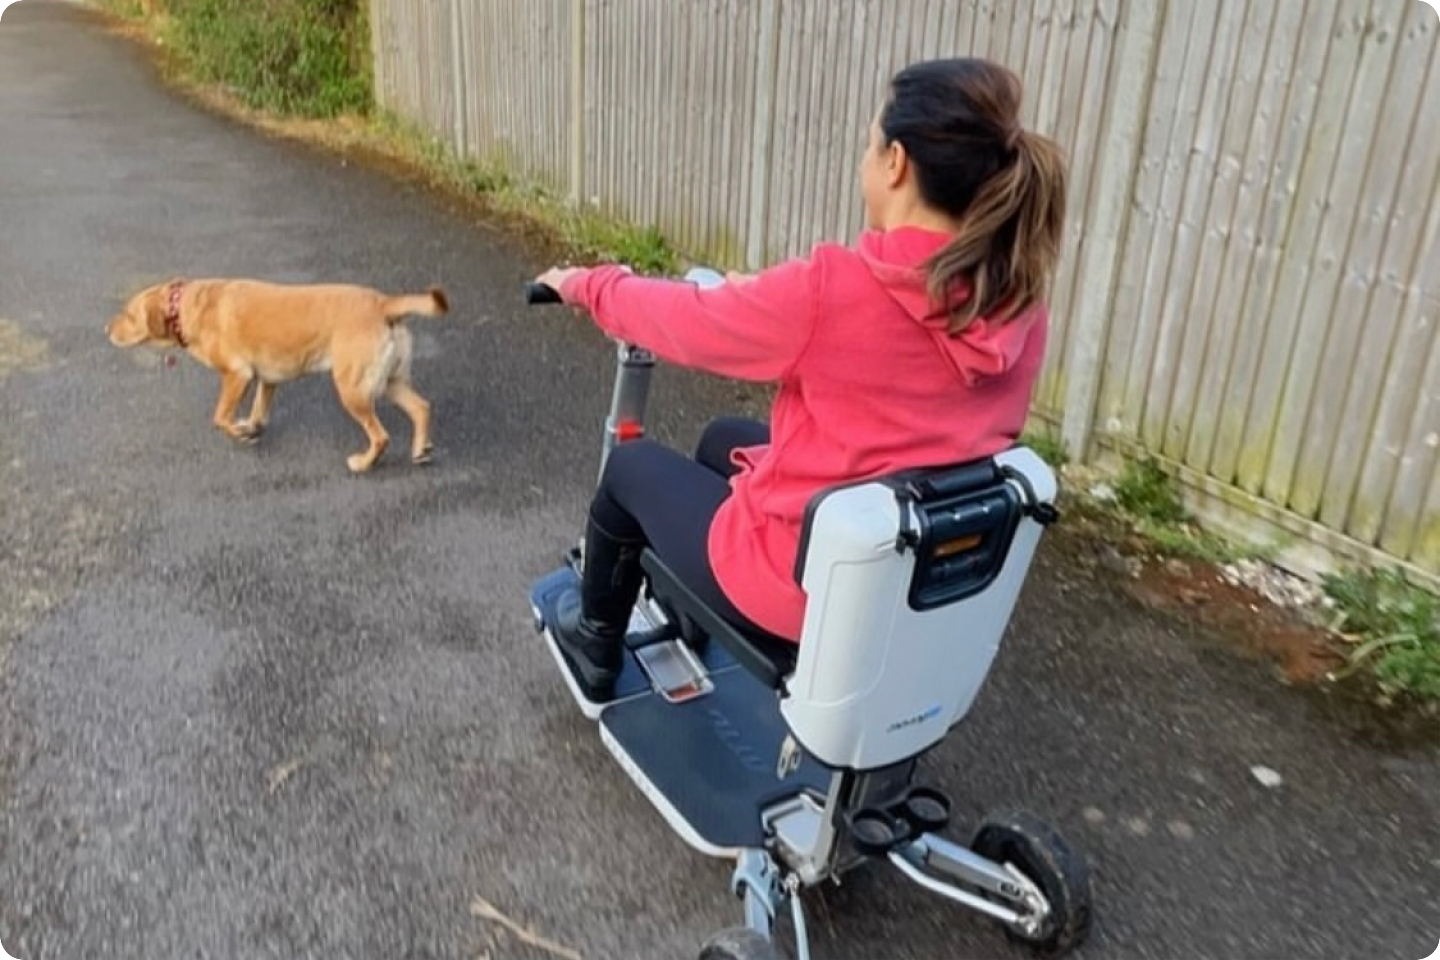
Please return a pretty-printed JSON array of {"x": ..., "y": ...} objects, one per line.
[{"x": 917, "y": 346}]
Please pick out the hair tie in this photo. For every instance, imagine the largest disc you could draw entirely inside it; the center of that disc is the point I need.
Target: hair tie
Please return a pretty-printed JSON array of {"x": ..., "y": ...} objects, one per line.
[{"x": 1012, "y": 139}]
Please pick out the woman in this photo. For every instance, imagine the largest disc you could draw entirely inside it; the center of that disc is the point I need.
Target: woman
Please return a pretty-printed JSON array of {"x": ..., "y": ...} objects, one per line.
[{"x": 918, "y": 346}]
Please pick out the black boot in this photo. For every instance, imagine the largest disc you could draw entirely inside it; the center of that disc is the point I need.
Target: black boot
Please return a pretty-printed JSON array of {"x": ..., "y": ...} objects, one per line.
[{"x": 591, "y": 622}]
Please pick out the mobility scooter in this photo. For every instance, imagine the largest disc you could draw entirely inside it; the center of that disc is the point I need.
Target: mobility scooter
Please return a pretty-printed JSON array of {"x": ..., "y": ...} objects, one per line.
[{"x": 798, "y": 762}]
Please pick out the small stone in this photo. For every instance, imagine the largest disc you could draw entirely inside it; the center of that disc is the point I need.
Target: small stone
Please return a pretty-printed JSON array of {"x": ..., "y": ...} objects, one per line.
[
  {"x": 1267, "y": 777},
  {"x": 1104, "y": 493},
  {"x": 1113, "y": 560},
  {"x": 1138, "y": 826},
  {"x": 1093, "y": 816},
  {"x": 1180, "y": 830}
]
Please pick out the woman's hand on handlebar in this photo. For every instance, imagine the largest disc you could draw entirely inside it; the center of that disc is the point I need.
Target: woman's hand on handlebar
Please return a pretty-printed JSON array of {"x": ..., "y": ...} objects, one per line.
[{"x": 555, "y": 277}]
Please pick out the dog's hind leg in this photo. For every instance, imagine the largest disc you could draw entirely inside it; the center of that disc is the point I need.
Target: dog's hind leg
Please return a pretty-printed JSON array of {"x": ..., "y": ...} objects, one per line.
[
  {"x": 360, "y": 404},
  {"x": 254, "y": 425},
  {"x": 403, "y": 395},
  {"x": 232, "y": 389}
]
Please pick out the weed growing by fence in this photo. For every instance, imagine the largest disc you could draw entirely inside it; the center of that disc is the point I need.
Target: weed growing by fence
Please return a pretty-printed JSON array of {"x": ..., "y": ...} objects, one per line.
[
  {"x": 1146, "y": 491},
  {"x": 1047, "y": 446},
  {"x": 1396, "y": 629},
  {"x": 1147, "y": 497}
]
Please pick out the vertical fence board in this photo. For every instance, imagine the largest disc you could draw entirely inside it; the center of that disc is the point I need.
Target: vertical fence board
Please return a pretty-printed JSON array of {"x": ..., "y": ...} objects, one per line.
[
  {"x": 1221, "y": 150},
  {"x": 1358, "y": 356}
]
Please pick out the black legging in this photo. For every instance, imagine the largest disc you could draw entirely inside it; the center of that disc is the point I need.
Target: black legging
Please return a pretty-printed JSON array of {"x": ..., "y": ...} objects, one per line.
[{"x": 652, "y": 493}]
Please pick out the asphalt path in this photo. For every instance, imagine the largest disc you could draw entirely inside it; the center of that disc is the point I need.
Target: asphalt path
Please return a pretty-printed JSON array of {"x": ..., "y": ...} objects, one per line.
[{"x": 254, "y": 707}]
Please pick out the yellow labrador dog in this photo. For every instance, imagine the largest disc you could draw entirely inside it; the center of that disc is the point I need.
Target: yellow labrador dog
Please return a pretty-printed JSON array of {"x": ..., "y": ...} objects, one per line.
[{"x": 248, "y": 330}]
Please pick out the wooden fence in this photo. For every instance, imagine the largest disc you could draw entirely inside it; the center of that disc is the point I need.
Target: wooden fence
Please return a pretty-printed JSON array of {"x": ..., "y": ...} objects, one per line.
[{"x": 1252, "y": 277}]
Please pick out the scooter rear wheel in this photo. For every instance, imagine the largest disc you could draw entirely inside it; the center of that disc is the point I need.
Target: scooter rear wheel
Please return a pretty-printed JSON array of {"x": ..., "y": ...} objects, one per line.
[
  {"x": 1037, "y": 850},
  {"x": 739, "y": 943}
]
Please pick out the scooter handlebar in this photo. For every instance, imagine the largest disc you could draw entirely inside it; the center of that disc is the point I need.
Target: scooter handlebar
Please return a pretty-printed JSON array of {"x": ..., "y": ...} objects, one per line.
[
  {"x": 539, "y": 293},
  {"x": 536, "y": 292}
]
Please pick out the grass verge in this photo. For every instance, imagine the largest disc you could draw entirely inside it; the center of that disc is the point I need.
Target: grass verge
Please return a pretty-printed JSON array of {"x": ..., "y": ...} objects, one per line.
[{"x": 307, "y": 58}]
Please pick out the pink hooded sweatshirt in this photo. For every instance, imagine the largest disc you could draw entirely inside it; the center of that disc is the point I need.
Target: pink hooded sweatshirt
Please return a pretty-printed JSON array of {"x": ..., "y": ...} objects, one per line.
[{"x": 869, "y": 383}]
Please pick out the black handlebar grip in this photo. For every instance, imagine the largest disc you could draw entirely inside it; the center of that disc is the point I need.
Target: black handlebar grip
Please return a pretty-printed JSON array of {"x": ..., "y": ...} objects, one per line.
[{"x": 541, "y": 293}]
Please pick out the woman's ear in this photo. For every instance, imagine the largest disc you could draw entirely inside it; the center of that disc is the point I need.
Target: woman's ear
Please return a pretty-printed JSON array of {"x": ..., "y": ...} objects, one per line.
[{"x": 897, "y": 164}]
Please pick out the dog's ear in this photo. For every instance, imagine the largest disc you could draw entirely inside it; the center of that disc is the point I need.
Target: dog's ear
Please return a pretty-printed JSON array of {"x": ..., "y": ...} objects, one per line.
[{"x": 152, "y": 306}]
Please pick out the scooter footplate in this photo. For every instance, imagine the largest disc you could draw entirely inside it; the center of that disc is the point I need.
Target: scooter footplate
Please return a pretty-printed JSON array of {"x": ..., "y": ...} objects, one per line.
[
  {"x": 544, "y": 595},
  {"x": 713, "y": 759}
]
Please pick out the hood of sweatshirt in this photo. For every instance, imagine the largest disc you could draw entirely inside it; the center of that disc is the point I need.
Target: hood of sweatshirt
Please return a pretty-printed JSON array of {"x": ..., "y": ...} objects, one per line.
[{"x": 986, "y": 348}]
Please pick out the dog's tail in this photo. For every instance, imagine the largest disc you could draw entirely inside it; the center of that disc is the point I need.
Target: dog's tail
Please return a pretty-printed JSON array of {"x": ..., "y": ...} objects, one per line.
[{"x": 432, "y": 303}]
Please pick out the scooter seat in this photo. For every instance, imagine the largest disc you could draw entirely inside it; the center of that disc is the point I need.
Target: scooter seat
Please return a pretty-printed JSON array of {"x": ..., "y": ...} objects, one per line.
[{"x": 769, "y": 658}]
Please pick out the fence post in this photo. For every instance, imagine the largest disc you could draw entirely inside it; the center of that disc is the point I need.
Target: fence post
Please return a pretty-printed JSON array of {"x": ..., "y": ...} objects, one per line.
[
  {"x": 577, "y": 101},
  {"x": 457, "y": 66},
  {"x": 766, "y": 77},
  {"x": 1116, "y": 165},
  {"x": 379, "y": 68}
]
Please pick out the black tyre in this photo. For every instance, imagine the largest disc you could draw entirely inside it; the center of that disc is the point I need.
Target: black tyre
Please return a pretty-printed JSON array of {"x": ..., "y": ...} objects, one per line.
[
  {"x": 1037, "y": 850},
  {"x": 739, "y": 943}
]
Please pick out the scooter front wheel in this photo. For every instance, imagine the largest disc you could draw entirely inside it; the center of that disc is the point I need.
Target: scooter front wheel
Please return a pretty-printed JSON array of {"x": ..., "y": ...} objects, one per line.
[
  {"x": 739, "y": 943},
  {"x": 1037, "y": 850}
]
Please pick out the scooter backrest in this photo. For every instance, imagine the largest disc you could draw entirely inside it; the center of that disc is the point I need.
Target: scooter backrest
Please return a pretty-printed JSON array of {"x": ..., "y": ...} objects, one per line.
[{"x": 911, "y": 580}]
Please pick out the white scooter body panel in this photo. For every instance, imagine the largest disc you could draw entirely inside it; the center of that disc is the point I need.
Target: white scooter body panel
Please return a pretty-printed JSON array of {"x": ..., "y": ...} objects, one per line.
[{"x": 876, "y": 681}]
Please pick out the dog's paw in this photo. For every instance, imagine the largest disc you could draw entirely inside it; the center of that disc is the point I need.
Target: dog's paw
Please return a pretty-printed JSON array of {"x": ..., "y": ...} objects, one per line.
[
  {"x": 358, "y": 463},
  {"x": 423, "y": 457},
  {"x": 247, "y": 432}
]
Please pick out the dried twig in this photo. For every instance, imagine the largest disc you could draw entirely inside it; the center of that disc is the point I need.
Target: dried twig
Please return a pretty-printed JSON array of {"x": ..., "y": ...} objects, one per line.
[
  {"x": 278, "y": 775},
  {"x": 486, "y": 911}
]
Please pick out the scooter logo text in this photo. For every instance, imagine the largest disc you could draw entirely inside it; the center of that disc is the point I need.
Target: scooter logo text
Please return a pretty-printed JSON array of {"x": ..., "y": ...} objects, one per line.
[{"x": 916, "y": 720}]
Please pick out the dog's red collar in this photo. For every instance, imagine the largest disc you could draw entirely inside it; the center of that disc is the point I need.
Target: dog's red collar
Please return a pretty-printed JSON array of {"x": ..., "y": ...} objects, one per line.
[{"x": 172, "y": 313}]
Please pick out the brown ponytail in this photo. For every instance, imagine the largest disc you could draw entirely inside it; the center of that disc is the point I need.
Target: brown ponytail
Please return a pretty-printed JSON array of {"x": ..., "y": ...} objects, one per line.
[{"x": 959, "y": 123}]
